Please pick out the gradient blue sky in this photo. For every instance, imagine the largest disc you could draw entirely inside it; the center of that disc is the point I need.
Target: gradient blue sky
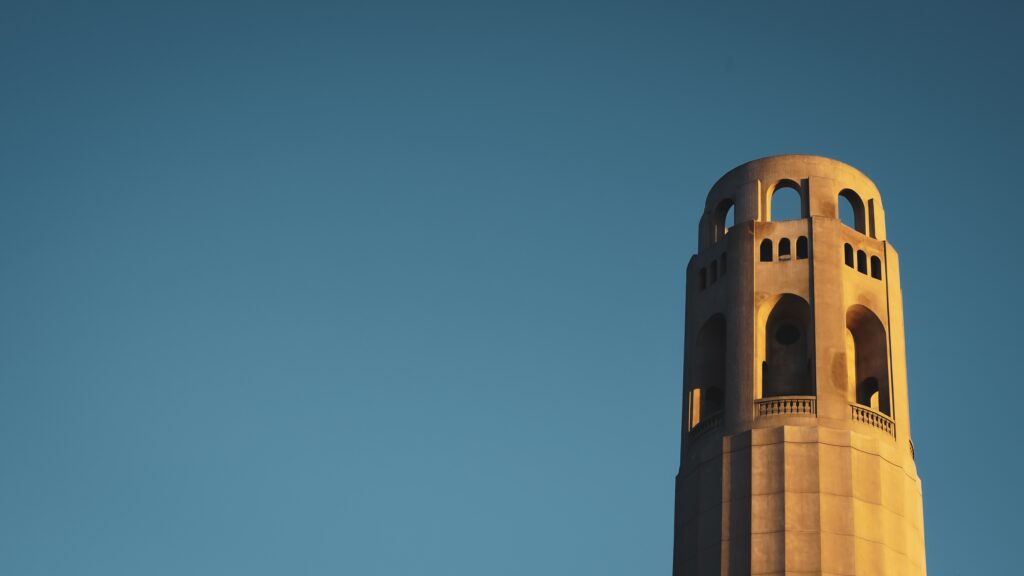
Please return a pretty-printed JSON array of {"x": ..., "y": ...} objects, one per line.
[{"x": 396, "y": 288}]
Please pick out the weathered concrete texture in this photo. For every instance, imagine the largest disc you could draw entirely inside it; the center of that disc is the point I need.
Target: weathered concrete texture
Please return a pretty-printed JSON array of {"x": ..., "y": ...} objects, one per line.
[{"x": 796, "y": 452}]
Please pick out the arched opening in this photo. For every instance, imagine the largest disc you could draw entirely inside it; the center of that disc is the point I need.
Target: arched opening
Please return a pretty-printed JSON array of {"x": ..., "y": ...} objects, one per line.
[
  {"x": 784, "y": 253},
  {"x": 786, "y": 203},
  {"x": 707, "y": 380},
  {"x": 848, "y": 254},
  {"x": 766, "y": 250},
  {"x": 867, "y": 354},
  {"x": 722, "y": 267},
  {"x": 714, "y": 271},
  {"x": 851, "y": 210},
  {"x": 867, "y": 393},
  {"x": 862, "y": 262},
  {"x": 787, "y": 369},
  {"x": 722, "y": 219},
  {"x": 876, "y": 268},
  {"x": 702, "y": 278},
  {"x": 801, "y": 248}
]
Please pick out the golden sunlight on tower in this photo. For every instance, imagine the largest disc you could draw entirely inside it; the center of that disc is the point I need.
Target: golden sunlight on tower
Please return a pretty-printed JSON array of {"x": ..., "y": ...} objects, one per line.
[{"x": 796, "y": 451}]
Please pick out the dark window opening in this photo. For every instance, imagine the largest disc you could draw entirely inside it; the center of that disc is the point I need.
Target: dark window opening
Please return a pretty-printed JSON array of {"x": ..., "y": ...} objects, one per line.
[
  {"x": 867, "y": 393},
  {"x": 784, "y": 253},
  {"x": 723, "y": 264},
  {"x": 766, "y": 250},
  {"x": 801, "y": 248},
  {"x": 706, "y": 379},
  {"x": 788, "y": 369},
  {"x": 867, "y": 356},
  {"x": 848, "y": 252},
  {"x": 876, "y": 268},
  {"x": 714, "y": 271},
  {"x": 871, "y": 218},
  {"x": 787, "y": 334},
  {"x": 703, "y": 278},
  {"x": 862, "y": 262}
]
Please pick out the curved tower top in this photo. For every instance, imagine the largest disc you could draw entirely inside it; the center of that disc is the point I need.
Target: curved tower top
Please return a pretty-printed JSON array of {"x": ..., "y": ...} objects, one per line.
[{"x": 820, "y": 181}]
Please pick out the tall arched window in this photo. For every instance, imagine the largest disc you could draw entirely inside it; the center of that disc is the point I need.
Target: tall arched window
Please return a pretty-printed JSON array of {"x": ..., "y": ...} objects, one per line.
[
  {"x": 848, "y": 254},
  {"x": 786, "y": 203},
  {"x": 862, "y": 262},
  {"x": 851, "y": 210},
  {"x": 702, "y": 278},
  {"x": 707, "y": 377},
  {"x": 723, "y": 263},
  {"x": 722, "y": 219},
  {"x": 787, "y": 369},
  {"x": 876, "y": 268},
  {"x": 801, "y": 248},
  {"x": 714, "y": 271},
  {"x": 766, "y": 250},
  {"x": 867, "y": 357}
]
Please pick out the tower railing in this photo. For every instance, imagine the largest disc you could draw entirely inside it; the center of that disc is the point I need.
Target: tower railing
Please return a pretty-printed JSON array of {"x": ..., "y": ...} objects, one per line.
[
  {"x": 872, "y": 418},
  {"x": 710, "y": 423},
  {"x": 786, "y": 406}
]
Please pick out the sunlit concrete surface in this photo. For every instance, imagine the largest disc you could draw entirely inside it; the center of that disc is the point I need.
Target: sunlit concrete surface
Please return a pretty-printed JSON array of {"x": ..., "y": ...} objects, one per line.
[{"x": 796, "y": 449}]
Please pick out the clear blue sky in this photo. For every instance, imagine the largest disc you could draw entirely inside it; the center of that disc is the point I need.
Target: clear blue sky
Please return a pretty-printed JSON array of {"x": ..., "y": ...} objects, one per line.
[{"x": 396, "y": 288}]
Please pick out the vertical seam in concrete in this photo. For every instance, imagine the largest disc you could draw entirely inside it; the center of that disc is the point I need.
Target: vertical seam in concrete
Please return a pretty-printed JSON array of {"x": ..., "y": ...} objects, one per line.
[
  {"x": 785, "y": 498},
  {"x": 888, "y": 336},
  {"x": 812, "y": 295},
  {"x": 755, "y": 259}
]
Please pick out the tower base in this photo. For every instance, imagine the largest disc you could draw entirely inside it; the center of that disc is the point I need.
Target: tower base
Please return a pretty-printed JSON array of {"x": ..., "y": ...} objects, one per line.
[{"x": 798, "y": 500}]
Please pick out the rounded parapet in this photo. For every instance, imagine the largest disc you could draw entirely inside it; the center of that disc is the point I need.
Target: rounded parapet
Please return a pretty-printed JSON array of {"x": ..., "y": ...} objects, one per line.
[{"x": 747, "y": 191}]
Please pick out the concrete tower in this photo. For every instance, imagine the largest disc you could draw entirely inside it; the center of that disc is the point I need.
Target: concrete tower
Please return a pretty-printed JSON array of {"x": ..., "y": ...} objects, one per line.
[{"x": 796, "y": 450}]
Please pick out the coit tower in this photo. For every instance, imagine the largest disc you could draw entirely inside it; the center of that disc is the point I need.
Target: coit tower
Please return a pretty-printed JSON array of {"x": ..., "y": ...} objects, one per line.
[{"x": 796, "y": 454}]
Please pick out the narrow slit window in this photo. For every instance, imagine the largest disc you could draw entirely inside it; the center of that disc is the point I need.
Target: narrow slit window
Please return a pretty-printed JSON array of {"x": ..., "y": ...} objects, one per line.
[
  {"x": 766, "y": 250},
  {"x": 848, "y": 251},
  {"x": 876, "y": 268},
  {"x": 784, "y": 253},
  {"x": 862, "y": 262},
  {"x": 801, "y": 248},
  {"x": 703, "y": 278},
  {"x": 714, "y": 271},
  {"x": 722, "y": 267},
  {"x": 871, "y": 218}
]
